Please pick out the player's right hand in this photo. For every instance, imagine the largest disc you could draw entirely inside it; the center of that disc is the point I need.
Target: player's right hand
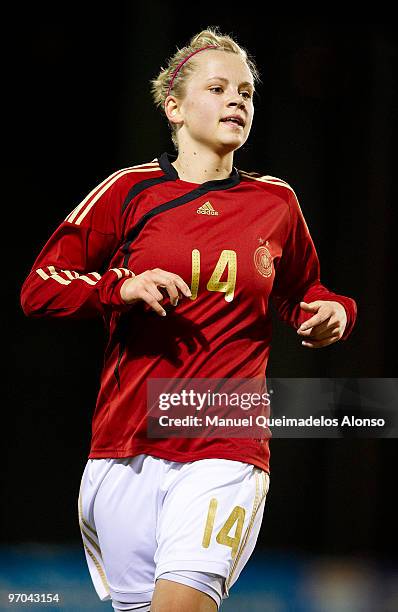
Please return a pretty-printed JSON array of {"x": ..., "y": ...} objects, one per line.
[{"x": 145, "y": 287}]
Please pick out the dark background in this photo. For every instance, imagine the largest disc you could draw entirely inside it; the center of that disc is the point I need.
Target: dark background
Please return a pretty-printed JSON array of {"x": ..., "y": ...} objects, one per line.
[{"x": 81, "y": 109}]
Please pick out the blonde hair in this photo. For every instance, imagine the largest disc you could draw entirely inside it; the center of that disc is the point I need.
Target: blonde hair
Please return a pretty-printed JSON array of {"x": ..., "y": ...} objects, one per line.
[{"x": 210, "y": 36}]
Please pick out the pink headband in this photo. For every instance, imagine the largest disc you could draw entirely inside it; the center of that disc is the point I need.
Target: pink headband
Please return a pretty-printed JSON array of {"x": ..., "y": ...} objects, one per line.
[{"x": 180, "y": 65}]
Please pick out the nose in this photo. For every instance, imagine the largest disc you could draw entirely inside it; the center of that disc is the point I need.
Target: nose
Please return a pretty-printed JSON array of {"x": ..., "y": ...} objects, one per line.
[{"x": 237, "y": 99}]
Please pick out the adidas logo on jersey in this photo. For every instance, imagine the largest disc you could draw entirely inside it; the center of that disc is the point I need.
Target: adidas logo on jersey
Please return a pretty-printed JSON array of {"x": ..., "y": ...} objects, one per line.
[{"x": 206, "y": 209}]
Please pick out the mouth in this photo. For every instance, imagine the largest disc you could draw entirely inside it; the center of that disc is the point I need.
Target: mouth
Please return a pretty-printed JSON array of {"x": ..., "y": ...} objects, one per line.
[{"x": 234, "y": 121}]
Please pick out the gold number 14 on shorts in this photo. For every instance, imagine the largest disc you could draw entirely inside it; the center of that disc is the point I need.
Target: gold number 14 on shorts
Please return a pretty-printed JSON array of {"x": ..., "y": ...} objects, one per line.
[{"x": 223, "y": 537}]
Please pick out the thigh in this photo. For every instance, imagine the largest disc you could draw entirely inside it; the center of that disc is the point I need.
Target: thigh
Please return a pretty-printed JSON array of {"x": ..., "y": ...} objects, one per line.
[
  {"x": 174, "y": 595},
  {"x": 210, "y": 518},
  {"x": 121, "y": 506}
]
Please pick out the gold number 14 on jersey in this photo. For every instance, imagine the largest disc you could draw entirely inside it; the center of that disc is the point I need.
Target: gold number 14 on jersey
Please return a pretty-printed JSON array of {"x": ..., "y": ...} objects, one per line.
[{"x": 227, "y": 259}]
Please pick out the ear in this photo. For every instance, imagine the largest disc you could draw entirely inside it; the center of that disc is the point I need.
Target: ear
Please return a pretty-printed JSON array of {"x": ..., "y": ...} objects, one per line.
[{"x": 172, "y": 110}]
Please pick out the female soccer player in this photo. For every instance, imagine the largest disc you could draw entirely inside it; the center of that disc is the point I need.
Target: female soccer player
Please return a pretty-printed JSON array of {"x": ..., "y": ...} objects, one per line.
[{"x": 180, "y": 256}]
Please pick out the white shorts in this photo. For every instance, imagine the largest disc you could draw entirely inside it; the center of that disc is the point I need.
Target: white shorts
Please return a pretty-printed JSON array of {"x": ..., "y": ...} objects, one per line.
[{"x": 141, "y": 517}]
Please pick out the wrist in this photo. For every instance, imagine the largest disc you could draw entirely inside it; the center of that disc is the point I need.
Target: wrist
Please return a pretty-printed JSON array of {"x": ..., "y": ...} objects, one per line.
[{"x": 123, "y": 293}]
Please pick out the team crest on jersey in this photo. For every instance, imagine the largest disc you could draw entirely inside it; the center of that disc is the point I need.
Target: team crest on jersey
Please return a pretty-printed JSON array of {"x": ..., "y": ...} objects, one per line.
[{"x": 263, "y": 260}]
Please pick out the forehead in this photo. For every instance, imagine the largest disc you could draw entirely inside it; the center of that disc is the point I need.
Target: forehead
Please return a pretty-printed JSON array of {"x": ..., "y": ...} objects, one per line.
[{"x": 212, "y": 63}]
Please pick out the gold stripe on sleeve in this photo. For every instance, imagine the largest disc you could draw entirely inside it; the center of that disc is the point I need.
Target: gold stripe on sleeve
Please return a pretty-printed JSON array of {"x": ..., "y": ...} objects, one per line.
[
  {"x": 71, "y": 216},
  {"x": 120, "y": 272},
  {"x": 54, "y": 274},
  {"x": 73, "y": 275},
  {"x": 117, "y": 272},
  {"x": 41, "y": 273},
  {"x": 267, "y": 179},
  {"x": 127, "y": 271},
  {"x": 70, "y": 274},
  {"x": 101, "y": 192},
  {"x": 87, "y": 279}
]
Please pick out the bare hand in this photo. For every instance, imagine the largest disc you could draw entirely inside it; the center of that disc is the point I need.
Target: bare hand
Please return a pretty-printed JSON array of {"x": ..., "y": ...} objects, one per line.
[
  {"x": 145, "y": 287},
  {"x": 326, "y": 326}
]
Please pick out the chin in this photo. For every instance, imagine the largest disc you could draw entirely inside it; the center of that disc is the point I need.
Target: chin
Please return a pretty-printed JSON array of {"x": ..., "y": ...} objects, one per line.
[{"x": 230, "y": 144}]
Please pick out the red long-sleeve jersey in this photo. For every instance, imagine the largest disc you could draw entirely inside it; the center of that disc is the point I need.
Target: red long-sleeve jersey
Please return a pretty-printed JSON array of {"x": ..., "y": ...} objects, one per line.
[{"x": 237, "y": 242}]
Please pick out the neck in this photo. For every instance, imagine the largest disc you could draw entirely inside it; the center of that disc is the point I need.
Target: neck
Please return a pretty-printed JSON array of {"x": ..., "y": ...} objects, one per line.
[{"x": 200, "y": 165}]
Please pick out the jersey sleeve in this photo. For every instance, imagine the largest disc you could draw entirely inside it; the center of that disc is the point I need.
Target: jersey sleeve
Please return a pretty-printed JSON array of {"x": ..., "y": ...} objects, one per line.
[
  {"x": 297, "y": 275},
  {"x": 70, "y": 277}
]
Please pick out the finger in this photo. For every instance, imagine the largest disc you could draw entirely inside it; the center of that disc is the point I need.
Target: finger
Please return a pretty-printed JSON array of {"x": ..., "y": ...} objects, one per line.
[
  {"x": 320, "y": 343},
  {"x": 163, "y": 275},
  {"x": 172, "y": 290},
  {"x": 148, "y": 298},
  {"x": 183, "y": 286},
  {"x": 314, "y": 321},
  {"x": 320, "y": 331},
  {"x": 323, "y": 316},
  {"x": 315, "y": 336},
  {"x": 154, "y": 291},
  {"x": 310, "y": 306},
  {"x": 172, "y": 283},
  {"x": 164, "y": 280}
]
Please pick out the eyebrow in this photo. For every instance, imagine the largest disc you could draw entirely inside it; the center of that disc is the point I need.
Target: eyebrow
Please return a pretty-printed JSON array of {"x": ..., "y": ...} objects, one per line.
[{"x": 218, "y": 78}]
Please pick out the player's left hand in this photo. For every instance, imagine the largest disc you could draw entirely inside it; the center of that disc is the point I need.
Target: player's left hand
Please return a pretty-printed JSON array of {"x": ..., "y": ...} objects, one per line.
[{"x": 326, "y": 326}]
